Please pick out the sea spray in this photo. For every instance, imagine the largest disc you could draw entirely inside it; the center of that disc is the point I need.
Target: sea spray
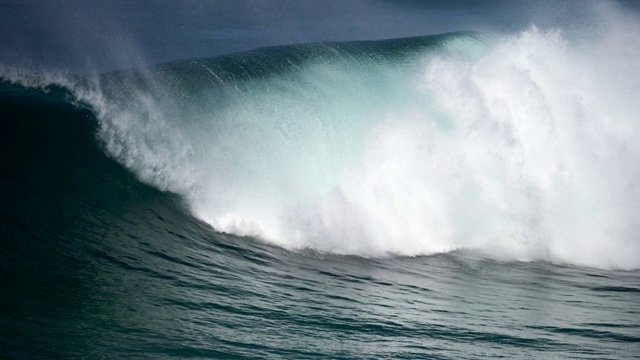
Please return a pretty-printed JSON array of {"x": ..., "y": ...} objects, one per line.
[
  {"x": 520, "y": 152},
  {"x": 548, "y": 145},
  {"x": 520, "y": 147}
]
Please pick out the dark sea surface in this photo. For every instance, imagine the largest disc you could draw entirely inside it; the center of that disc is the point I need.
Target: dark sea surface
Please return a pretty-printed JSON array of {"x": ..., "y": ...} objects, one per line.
[{"x": 459, "y": 196}]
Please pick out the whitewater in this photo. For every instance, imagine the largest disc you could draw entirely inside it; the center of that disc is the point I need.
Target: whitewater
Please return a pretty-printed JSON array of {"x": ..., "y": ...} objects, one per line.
[{"x": 519, "y": 147}]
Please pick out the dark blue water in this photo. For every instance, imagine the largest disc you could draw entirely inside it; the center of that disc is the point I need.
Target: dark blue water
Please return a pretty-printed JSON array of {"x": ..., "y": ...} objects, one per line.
[{"x": 458, "y": 196}]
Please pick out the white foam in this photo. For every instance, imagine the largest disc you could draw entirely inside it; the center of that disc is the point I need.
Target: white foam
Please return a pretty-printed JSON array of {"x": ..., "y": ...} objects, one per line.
[
  {"x": 523, "y": 149},
  {"x": 526, "y": 152}
]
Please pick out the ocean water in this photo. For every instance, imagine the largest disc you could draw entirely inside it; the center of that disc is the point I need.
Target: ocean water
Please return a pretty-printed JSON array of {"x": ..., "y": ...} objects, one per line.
[{"x": 464, "y": 195}]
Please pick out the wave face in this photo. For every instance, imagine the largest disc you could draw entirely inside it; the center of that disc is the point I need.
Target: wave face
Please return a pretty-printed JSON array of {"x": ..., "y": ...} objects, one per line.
[{"x": 518, "y": 147}]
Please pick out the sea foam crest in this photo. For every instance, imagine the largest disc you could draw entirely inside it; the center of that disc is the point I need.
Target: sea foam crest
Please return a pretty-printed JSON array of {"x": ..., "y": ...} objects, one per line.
[{"x": 525, "y": 152}]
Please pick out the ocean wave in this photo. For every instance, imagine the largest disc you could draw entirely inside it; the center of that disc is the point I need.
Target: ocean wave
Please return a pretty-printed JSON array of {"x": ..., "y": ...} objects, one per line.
[{"x": 519, "y": 147}]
